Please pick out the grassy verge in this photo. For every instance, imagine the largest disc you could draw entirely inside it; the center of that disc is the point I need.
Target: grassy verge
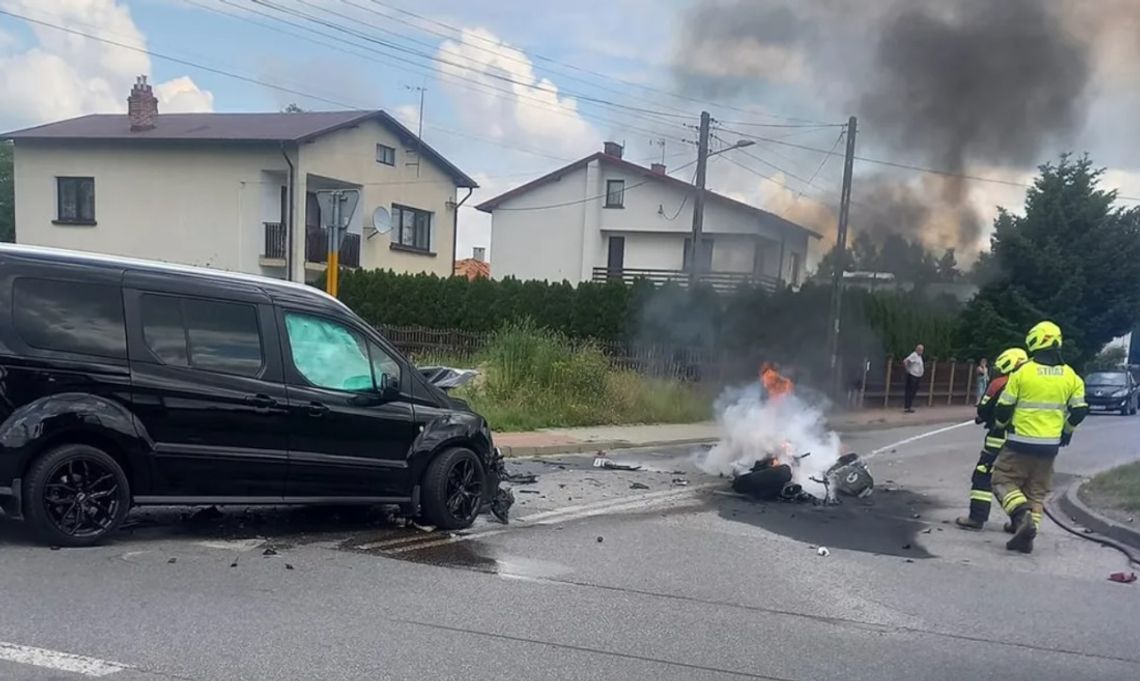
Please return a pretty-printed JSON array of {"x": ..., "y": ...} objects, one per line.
[
  {"x": 1115, "y": 493},
  {"x": 534, "y": 378}
]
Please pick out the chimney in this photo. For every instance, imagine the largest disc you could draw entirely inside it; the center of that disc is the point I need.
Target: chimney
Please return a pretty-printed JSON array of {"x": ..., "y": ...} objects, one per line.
[
  {"x": 658, "y": 168},
  {"x": 479, "y": 253},
  {"x": 612, "y": 149},
  {"x": 142, "y": 106}
]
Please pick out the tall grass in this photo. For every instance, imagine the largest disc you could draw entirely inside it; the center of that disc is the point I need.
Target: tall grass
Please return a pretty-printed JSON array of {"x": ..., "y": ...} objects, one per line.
[{"x": 537, "y": 378}]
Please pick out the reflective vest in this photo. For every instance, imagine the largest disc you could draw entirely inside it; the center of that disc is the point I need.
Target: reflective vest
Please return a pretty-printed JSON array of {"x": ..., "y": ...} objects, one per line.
[{"x": 1042, "y": 396}]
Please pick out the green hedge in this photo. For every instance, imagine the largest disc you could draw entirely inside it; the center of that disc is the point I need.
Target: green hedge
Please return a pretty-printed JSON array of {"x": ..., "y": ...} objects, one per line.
[{"x": 786, "y": 325}]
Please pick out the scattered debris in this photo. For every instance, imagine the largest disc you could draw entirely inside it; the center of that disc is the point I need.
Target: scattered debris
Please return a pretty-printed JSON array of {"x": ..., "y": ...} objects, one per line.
[
  {"x": 172, "y": 561},
  {"x": 906, "y": 547},
  {"x": 680, "y": 482},
  {"x": 910, "y": 560},
  {"x": 601, "y": 539},
  {"x": 54, "y": 548},
  {"x": 928, "y": 530},
  {"x": 205, "y": 515},
  {"x": 288, "y": 566},
  {"x": 423, "y": 528},
  {"x": 529, "y": 491},
  {"x": 823, "y": 551},
  {"x": 640, "y": 485},
  {"x": 520, "y": 478},
  {"x": 1123, "y": 578},
  {"x": 269, "y": 552},
  {"x": 604, "y": 461},
  {"x": 234, "y": 564},
  {"x": 1087, "y": 531},
  {"x": 684, "y": 473},
  {"x": 501, "y": 505}
]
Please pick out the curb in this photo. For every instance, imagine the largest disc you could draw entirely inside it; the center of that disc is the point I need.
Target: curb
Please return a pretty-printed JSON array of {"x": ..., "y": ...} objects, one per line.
[
  {"x": 888, "y": 425},
  {"x": 1070, "y": 504}
]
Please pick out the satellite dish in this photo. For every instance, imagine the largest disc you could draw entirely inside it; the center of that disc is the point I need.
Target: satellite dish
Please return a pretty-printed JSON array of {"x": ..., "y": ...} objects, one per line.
[{"x": 381, "y": 220}]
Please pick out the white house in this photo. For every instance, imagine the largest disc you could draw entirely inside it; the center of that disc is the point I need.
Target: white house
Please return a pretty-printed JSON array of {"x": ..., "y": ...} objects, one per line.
[
  {"x": 603, "y": 217},
  {"x": 236, "y": 191}
]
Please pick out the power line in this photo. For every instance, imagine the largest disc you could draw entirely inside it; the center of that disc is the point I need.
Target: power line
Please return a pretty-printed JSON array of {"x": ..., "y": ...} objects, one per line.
[
  {"x": 590, "y": 198},
  {"x": 462, "y": 81},
  {"x": 896, "y": 164},
  {"x": 627, "y": 83},
  {"x": 435, "y": 58},
  {"x": 771, "y": 179},
  {"x": 811, "y": 180}
]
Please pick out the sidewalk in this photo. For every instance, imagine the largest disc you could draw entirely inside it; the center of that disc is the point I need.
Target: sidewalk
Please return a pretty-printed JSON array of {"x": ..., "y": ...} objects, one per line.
[{"x": 570, "y": 440}]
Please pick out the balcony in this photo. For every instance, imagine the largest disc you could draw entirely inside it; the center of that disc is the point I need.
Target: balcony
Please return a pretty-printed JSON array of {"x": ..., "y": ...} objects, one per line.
[
  {"x": 720, "y": 281},
  {"x": 316, "y": 246}
]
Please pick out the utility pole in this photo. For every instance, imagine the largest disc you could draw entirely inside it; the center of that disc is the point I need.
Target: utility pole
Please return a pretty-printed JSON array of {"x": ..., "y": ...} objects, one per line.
[
  {"x": 699, "y": 198},
  {"x": 660, "y": 142},
  {"x": 840, "y": 252},
  {"x": 420, "y": 127}
]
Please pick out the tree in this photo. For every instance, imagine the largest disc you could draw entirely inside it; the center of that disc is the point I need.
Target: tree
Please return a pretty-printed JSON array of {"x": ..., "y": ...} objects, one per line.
[
  {"x": 292, "y": 107},
  {"x": 948, "y": 267},
  {"x": 1071, "y": 258},
  {"x": 7, "y": 194}
]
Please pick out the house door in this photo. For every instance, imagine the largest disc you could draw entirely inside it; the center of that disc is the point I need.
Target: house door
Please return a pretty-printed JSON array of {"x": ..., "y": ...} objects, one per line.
[{"x": 615, "y": 261}]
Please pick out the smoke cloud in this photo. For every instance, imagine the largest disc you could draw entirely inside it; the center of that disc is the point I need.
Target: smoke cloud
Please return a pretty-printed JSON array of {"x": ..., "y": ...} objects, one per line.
[
  {"x": 754, "y": 427},
  {"x": 953, "y": 84}
]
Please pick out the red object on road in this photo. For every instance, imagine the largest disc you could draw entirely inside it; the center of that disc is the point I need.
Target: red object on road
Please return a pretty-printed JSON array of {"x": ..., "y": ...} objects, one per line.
[{"x": 1123, "y": 578}]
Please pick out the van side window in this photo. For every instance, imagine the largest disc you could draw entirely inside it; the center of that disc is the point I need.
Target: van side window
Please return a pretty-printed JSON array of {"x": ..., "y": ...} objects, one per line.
[
  {"x": 66, "y": 316},
  {"x": 327, "y": 354},
  {"x": 205, "y": 334}
]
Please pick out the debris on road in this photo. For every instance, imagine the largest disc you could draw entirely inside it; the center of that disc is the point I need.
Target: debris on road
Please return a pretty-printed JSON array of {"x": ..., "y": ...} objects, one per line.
[
  {"x": 601, "y": 539},
  {"x": 269, "y": 552},
  {"x": 501, "y": 505},
  {"x": 1122, "y": 578},
  {"x": 529, "y": 491},
  {"x": 823, "y": 551},
  {"x": 520, "y": 478},
  {"x": 602, "y": 460},
  {"x": 205, "y": 515},
  {"x": 639, "y": 485},
  {"x": 172, "y": 561},
  {"x": 680, "y": 482},
  {"x": 288, "y": 566}
]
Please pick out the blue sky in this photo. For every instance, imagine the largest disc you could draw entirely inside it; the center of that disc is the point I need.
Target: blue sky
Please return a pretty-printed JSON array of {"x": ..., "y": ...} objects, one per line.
[{"x": 760, "y": 70}]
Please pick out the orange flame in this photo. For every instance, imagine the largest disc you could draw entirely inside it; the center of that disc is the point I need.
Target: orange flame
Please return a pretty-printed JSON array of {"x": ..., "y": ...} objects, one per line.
[{"x": 776, "y": 384}]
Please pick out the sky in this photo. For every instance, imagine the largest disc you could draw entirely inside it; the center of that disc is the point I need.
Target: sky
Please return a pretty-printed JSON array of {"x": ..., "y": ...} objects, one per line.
[{"x": 515, "y": 89}]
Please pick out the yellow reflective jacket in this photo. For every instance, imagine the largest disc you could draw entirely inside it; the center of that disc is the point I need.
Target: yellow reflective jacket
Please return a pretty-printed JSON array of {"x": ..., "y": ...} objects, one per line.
[{"x": 1047, "y": 400}]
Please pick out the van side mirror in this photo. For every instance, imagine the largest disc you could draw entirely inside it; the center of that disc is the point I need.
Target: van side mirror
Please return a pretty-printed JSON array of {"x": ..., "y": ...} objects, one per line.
[{"x": 389, "y": 387}]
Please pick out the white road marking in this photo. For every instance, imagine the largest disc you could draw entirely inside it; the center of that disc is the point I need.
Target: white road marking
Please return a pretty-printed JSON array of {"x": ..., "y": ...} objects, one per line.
[
  {"x": 63, "y": 662},
  {"x": 917, "y": 437}
]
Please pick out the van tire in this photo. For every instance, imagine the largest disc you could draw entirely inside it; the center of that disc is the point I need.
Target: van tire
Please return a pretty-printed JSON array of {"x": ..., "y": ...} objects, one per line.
[
  {"x": 85, "y": 481},
  {"x": 454, "y": 489}
]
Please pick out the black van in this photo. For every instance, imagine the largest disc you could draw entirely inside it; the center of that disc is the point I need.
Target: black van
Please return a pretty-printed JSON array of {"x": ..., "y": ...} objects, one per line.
[{"x": 127, "y": 383}]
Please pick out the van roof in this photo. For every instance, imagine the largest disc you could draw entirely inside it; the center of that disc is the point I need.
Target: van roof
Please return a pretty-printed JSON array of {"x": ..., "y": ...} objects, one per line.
[{"x": 268, "y": 284}]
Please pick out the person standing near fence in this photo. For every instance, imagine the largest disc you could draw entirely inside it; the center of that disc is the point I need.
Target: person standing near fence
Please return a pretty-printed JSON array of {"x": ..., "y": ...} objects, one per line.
[
  {"x": 915, "y": 368},
  {"x": 983, "y": 377}
]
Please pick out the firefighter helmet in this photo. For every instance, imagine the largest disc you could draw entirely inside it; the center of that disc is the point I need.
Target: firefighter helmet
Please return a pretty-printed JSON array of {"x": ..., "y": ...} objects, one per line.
[
  {"x": 1009, "y": 360},
  {"x": 1043, "y": 336}
]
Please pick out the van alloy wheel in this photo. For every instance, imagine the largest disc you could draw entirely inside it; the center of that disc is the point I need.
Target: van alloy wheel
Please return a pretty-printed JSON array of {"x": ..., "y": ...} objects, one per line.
[
  {"x": 464, "y": 489},
  {"x": 82, "y": 497}
]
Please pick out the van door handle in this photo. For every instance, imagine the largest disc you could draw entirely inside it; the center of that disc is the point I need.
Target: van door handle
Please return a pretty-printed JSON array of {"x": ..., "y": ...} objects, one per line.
[
  {"x": 317, "y": 410},
  {"x": 261, "y": 402}
]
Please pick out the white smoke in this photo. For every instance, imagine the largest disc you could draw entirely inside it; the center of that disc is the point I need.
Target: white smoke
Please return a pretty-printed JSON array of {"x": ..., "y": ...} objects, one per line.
[{"x": 754, "y": 427}]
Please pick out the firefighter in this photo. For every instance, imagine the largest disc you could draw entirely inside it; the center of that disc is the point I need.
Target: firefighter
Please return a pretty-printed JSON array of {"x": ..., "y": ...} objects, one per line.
[
  {"x": 981, "y": 494},
  {"x": 1042, "y": 404}
]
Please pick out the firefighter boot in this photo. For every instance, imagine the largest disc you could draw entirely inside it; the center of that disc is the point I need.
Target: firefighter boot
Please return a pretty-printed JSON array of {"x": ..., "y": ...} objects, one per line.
[
  {"x": 968, "y": 523},
  {"x": 1024, "y": 530}
]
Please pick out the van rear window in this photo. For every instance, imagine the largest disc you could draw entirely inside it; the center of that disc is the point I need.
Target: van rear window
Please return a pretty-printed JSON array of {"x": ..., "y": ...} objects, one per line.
[{"x": 79, "y": 318}]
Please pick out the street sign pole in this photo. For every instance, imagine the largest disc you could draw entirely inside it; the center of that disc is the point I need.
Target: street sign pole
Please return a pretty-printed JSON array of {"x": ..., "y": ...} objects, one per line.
[{"x": 332, "y": 271}]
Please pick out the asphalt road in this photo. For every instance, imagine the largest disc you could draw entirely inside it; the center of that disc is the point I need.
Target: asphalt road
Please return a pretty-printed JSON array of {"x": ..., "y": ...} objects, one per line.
[{"x": 593, "y": 580}]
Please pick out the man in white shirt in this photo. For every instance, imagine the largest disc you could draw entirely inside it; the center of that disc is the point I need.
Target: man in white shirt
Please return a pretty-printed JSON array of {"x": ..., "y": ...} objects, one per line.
[{"x": 914, "y": 370}]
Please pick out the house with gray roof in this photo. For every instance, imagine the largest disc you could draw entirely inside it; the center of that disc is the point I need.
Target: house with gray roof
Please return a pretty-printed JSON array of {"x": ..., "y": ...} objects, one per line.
[{"x": 237, "y": 191}]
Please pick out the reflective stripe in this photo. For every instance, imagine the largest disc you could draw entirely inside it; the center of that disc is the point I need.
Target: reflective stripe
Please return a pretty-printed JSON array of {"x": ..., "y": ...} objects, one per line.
[
  {"x": 978, "y": 495},
  {"x": 983, "y": 469},
  {"x": 1013, "y": 501},
  {"x": 1030, "y": 440},
  {"x": 995, "y": 442},
  {"x": 1051, "y": 406},
  {"x": 1036, "y": 518},
  {"x": 1077, "y": 402},
  {"x": 1007, "y": 399}
]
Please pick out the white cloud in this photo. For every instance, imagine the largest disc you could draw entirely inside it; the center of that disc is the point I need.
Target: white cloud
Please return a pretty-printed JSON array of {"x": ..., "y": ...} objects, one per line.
[
  {"x": 65, "y": 75},
  {"x": 508, "y": 111}
]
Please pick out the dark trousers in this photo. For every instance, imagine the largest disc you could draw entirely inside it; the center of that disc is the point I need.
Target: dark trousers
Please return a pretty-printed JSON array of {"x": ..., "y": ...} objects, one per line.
[
  {"x": 911, "y": 391},
  {"x": 981, "y": 482}
]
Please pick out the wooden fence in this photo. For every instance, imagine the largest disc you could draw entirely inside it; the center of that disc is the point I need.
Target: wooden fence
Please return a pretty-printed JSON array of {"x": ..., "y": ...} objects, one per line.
[{"x": 944, "y": 382}]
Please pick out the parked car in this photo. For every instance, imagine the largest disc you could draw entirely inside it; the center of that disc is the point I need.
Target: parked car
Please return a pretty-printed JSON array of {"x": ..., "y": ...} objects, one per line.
[
  {"x": 128, "y": 383},
  {"x": 1112, "y": 391}
]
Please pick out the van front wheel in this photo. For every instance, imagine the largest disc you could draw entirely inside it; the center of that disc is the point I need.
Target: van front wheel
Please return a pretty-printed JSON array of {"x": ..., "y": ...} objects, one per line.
[
  {"x": 75, "y": 495},
  {"x": 453, "y": 489}
]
